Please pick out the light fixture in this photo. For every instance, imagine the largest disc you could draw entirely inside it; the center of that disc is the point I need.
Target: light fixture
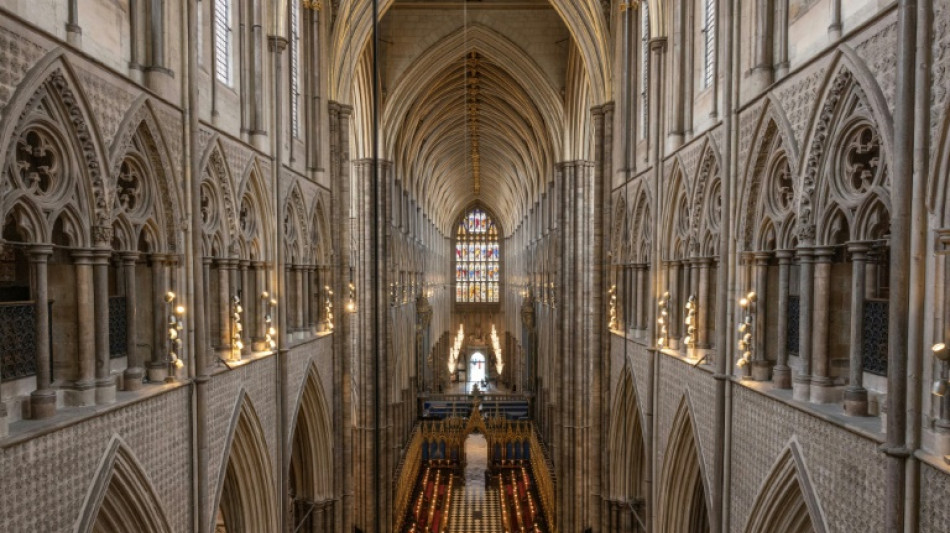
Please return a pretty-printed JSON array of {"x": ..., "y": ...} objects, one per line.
[
  {"x": 236, "y": 327},
  {"x": 351, "y": 298},
  {"x": 270, "y": 332},
  {"x": 612, "y": 312},
  {"x": 690, "y": 320},
  {"x": 662, "y": 303},
  {"x": 746, "y": 329},
  {"x": 175, "y": 327},
  {"x": 941, "y": 353}
]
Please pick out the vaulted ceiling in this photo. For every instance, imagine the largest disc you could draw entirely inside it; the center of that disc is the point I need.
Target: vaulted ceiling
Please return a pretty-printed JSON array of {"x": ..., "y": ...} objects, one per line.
[{"x": 474, "y": 98}]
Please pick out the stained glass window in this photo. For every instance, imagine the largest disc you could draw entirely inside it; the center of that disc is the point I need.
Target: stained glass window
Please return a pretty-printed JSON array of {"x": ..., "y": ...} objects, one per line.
[{"x": 477, "y": 259}]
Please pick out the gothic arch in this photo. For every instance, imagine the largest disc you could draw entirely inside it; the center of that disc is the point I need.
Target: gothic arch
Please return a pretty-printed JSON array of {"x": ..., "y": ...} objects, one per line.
[
  {"x": 786, "y": 500},
  {"x": 294, "y": 226},
  {"x": 628, "y": 460},
  {"x": 311, "y": 446},
  {"x": 254, "y": 214},
  {"x": 51, "y": 97},
  {"x": 674, "y": 232},
  {"x": 121, "y": 497},
  {"x": 850, "y": 96},
  {"x": 217, "y": 182},
  {"x": 683, "y": 504},
  {"x": 706, "y": 173},
  {"x": 770, "y": 175},
  {"x": 246, "y": 500}
]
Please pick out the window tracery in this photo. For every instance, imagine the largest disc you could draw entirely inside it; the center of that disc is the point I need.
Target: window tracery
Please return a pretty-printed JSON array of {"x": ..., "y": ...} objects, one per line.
[{"x": 477, "y": 259}]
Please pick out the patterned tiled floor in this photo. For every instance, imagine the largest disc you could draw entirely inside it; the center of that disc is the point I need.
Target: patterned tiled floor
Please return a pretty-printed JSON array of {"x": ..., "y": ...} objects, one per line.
[{"x": 475, "y": 510}]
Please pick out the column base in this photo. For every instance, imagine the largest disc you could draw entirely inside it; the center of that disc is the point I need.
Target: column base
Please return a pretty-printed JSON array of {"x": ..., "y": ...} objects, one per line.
[
  {"x": 856, "y": 402},
  {"x": 80, "y": 394},
  {"x": 42, "y": 404},
  {"x": 132, "y": 378},
  {"x": 782, "y": 377},
  {"x": 823, "y": 391},
  {"x": 105, "y": 391},
  {"x": 801, "y": 388},
  {"x": 157, "y": 373},
  {"x": 760, "y": 370}
]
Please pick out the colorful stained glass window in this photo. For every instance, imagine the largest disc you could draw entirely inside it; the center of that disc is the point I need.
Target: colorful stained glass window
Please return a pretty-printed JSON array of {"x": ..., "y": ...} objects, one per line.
[{"x": 477, "y": 259}]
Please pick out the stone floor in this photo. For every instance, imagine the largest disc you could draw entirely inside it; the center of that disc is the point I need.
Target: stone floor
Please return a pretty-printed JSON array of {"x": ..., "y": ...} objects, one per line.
[{"x": 474, "y": 509}]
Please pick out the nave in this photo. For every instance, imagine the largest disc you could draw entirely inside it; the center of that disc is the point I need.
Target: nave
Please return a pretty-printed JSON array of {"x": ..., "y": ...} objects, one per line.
[{"x": 475, "y": 487}]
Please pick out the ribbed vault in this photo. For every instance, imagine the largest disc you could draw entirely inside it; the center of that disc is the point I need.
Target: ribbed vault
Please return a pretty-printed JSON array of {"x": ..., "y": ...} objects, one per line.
[
  {"x": 429, "y": 136},
  {"x": 586, "y": 20}
]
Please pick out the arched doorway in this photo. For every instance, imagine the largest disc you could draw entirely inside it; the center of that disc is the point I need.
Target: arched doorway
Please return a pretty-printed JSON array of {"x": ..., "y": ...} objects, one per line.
[{"x": 476, "y": 368}]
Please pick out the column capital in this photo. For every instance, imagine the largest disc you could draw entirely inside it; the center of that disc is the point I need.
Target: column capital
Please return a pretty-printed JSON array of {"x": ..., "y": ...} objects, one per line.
[
  {"x": 39, "y": 253},
  {"x": 81, "y": 256},
  {"x": 824, "y": 254},
  {"x": 101, "y": 256},
  {"x": 805, "y": 253},
  {"x": 762, "y": 258},
  {"x": 784, "y": 256},
  {"x": 859, "y": 250},
  {"x": 259, "y": 264},
  {"x": 158, "y": 257},
  {"x": 128, "y": 256},
  {"x": 244, "y": 264},
  {"x": 228, "y": 263}
]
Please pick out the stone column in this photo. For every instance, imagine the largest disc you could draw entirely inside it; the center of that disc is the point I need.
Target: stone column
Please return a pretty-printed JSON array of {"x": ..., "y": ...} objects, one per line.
[
  {"x": 821, "y": 318},
  {"x": 224, "y": 305},
  {"x": 306, "y": 296},
  {"x": 762, "y": 71},
  {"x": 134, "y": 371},
  {"x": 83, "y": 390},
  {"x": 105, "y": 381},
  {"x": 782, "y": 374},
  {"x": 760, "y": 362},
  {"x": 640, "y": 297},
  {"x": 299, "y": 302},
  {"x": 704, "y": 301},
  {"x": 801, "y": 384},
  {"x": 43, "y": 399},
  {"x": 855, "y": 395},
  {"x": 158, "y": 366},
  {"x": 206, "y": 276},
  {"x": 781, "y": 31}
]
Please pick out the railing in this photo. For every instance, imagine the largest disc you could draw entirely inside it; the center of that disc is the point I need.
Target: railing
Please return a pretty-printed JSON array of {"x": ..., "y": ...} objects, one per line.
[
  {"x": 18, "y": 339},
  {"x": 875, "y": 336},
  {"x": 118, "y": 326}
]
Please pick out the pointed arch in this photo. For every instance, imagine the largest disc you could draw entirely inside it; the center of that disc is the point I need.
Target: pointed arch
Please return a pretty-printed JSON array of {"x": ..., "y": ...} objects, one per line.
[
  {"x": 50, "y": 97},
  {"x": 216, "y": 176},
  {"x": 850, "y": 96},
  {"x": 683, "y": 501},
  {"x": 628, "y": 460},
  {"x": 311, "y": 446},
  {"x": 121, "y": 497},
  {"x": 246, "y": 500},
  {"x": 786, "y": 500},
  {"x": 674, "y": 233}
]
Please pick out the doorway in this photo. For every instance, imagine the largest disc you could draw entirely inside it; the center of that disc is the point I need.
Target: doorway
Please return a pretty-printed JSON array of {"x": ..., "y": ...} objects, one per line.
[{"x": 476, "y": 368}]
